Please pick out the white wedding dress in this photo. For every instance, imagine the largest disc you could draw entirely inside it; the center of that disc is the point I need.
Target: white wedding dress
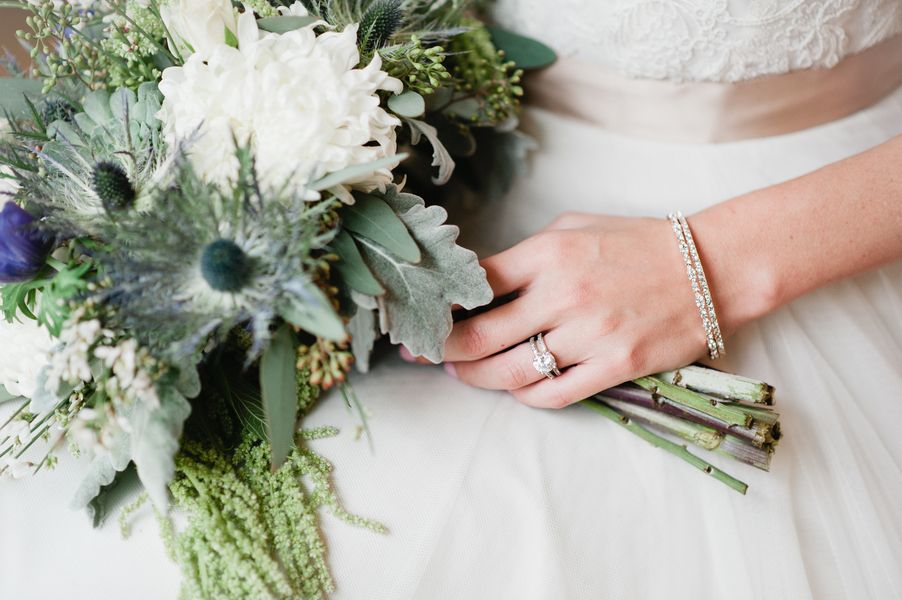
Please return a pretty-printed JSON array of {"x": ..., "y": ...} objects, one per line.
[{"x": 485, "y": 498}]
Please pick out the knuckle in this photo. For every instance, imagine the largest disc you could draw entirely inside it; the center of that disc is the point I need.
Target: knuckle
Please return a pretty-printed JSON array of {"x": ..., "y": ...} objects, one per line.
[
  {"x": 607, "y": 323},
  {"x": 627, "y": 361}
]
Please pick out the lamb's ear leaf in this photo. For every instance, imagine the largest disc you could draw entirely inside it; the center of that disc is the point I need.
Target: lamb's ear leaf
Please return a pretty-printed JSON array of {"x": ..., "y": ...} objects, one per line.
[
  {"x": 13, "y": 94},
  {"x": 278, "y": 382},
  {"x": 156, "y": 434},
  {"x": 526, "y": 53},
  {"x": 364, "y": 331},
  {"x": 351, "y": 267},
  {"x": 125, "y": 486},
  {"x": 371, "y": 218},
  {"x": 416, "y": 307},
  {"x": 285, "y": 24},
  {"x": 441, "y": 158}
]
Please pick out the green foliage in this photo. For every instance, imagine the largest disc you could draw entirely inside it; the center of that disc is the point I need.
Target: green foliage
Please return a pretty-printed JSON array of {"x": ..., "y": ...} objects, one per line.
[
  {"x": 284, "y": 24},
  {"x": 351, "y": 267},
  {"x": 407, "y": 104},
  {"x": 15, "y": 93},
  {"x": 134, "y": 44},
  {"x": 279, "y": 390},
  {"x": 66, "y": 44},
  {"x": 416, "y": 308},
  {"x": 371, "y": 218},
  {"x": 421, "y": 69},
  {"x": 488, "y": 85},
  {"x": 252, "y": 532},
  {"x": 525, "y": 53},
  {"x": 117, "y": 129}
]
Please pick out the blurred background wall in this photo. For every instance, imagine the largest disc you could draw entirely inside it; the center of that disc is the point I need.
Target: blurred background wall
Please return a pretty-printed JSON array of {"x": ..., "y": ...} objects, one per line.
[{"x": 12, "y": 19}]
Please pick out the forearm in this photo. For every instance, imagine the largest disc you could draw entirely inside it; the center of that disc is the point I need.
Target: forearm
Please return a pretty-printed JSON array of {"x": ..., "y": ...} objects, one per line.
[{"x": 765, "y": 248}]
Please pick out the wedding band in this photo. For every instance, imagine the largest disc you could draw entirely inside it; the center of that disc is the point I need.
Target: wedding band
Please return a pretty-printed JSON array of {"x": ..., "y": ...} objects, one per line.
[{"x": 543, "y": 361}]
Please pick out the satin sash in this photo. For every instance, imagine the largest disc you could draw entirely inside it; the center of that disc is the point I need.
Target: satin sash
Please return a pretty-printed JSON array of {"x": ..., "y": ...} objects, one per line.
[{"x": 718, "y": 112}]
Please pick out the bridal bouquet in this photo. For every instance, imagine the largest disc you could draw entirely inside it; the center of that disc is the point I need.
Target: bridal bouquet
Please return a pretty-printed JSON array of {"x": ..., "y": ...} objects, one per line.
[{"x": 205, "y": 224}]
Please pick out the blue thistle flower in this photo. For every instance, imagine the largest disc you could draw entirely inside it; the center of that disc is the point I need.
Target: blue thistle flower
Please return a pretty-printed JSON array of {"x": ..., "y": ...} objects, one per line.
[{"x": 23, "y": 249}]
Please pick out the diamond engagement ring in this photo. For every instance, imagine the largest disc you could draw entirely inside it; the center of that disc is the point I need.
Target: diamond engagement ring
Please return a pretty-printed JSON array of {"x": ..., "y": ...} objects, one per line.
[{"x": 543, "y": 360}]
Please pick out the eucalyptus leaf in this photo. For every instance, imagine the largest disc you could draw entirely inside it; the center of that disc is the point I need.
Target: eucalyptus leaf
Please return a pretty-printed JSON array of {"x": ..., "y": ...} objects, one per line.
[
  {"x": 285, "y": 24},
  {"x": 465, "y": 109},
  {"x": 14, "y": 90},
  {"x": 352, "y": 173},
  {"x": 441, "y": 158},
  {"x": 408, "y": 104},
  {"x": 309, "y": 309},
  {"x": 526, "y": 53},
  {"x": 351, "y": 267},
  {"x": 416, "y": 308},
  {"x": 373, "y": 219},
  {"x": 278, "y": 373}
]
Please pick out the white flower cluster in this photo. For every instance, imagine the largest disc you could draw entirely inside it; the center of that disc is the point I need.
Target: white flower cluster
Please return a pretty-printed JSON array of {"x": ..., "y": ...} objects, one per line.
[
  {"x": 298, "y": 98},
  {"x": 25, "y": 351},
  {"x": 128, "y": 379}
]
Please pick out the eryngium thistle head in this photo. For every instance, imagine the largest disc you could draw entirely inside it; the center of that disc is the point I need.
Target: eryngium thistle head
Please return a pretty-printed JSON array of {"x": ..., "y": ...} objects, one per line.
[
  {"x": 225, "y": 266},
  {"x": 112, "y": 186},
  {"x": 56, "y": 109},
  {"x": 23, "y": 250},
  {"x": 380, "y": 22}
]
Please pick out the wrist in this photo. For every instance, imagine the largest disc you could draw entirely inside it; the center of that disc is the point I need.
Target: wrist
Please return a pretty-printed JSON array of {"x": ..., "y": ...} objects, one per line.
[{"x": 745, "y": 282}]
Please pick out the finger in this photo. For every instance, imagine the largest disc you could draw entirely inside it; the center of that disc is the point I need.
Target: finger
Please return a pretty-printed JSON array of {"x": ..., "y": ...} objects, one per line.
[
  {"x": 514, "y": 369},
  {"x": 575, "y": 384},
  {"x": 511, "y": 270},
  {"x": 496, "y": 330}
]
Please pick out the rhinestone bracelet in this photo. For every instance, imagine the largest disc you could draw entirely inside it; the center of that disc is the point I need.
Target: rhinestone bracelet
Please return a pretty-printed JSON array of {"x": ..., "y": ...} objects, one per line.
[{"x": 699, "y": 283}]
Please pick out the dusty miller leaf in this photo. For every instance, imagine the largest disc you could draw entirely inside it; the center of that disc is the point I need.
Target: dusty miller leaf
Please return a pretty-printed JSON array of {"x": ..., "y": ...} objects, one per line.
[
  {"x": 416, "y": 308},
  {"x": 441, "y": 158},
  {"x": 363, "y": 330},
  {"x": 155, "y": 440}
]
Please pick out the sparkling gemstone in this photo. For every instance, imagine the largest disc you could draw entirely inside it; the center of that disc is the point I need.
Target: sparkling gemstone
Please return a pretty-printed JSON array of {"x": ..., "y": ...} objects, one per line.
[{"x": 544, "y": 363}]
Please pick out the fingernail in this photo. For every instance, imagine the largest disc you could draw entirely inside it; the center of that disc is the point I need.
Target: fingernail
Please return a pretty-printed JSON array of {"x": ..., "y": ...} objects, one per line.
[
  {"x": 451, "y": 370},
  {"x": 406, "y": 356}
]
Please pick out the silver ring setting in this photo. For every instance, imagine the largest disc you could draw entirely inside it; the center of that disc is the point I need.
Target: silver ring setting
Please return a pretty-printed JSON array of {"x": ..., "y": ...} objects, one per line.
[{"x": 543, "y": 361}]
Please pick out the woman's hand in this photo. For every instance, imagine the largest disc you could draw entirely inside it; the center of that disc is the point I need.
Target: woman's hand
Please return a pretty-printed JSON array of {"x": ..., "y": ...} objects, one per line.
[{"x": 611, "y": 296}]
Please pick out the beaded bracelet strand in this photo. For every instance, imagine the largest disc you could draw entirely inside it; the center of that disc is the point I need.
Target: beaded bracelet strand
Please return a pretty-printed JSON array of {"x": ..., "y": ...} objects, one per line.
[{"x": 699, "y": 283}]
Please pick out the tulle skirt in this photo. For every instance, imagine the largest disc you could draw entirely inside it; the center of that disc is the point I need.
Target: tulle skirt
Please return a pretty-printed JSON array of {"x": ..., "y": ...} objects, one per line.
[{"x": 486, "y": 498}]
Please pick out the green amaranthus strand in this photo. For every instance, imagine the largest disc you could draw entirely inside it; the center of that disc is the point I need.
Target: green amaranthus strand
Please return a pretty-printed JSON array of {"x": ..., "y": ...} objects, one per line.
[{"x": 252, "y": 532}]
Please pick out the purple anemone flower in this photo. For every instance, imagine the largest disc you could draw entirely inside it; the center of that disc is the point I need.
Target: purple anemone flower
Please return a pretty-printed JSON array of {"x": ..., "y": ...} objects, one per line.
[{"x": 23, "y": 249}]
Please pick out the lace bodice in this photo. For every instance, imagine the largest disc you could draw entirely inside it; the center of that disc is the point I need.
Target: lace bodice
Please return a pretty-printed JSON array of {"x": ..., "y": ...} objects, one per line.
[{"x": 705, "y": 40}]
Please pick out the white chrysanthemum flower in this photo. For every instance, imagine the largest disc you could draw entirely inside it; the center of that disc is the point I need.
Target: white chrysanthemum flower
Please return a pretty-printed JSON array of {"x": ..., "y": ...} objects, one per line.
[
  {"x": 199, "y": 26},
  {"x": 297, "y": 98},
  {"x": 24, "y": 351}
]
